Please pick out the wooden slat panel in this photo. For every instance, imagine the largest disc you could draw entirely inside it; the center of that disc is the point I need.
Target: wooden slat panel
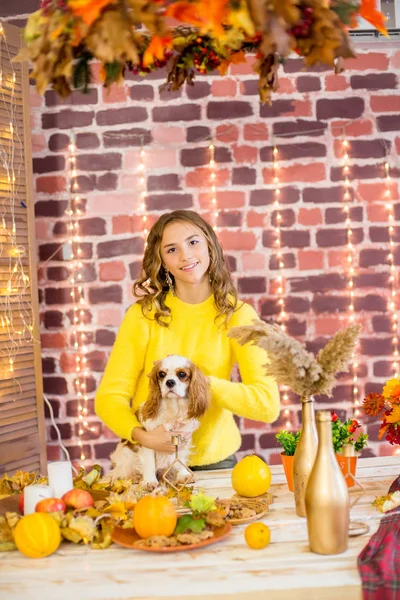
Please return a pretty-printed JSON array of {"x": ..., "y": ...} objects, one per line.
[{"x": 22, "y": 432}]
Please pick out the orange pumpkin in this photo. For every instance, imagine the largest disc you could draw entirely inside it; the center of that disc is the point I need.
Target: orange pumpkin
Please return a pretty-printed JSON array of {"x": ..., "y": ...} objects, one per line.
[
  {"x": 37, "y": 535},
  {"x": 154, "y": 515}
]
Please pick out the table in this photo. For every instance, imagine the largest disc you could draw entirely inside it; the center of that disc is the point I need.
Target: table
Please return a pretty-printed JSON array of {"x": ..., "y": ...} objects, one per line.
[{"x": 228, "y": 570}]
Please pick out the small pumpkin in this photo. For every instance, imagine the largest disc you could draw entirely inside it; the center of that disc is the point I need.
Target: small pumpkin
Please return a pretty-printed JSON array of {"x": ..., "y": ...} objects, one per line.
[
  {"x": 251, "y": 477},
  {"x": 154, "y": 515},
  {"x": 37, "y": 535}
]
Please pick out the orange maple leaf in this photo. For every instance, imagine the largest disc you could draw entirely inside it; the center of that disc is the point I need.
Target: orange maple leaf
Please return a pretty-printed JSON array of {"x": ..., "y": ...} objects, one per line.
[
  {"x": 382, "y": 431},
  {"x": 234, "y": 59},
  {"x": 155, "y": 50},
  {"x": 88, "y": 10},
  {"x": 369, "y": 12},
  {"x": 208, "y": 15}
]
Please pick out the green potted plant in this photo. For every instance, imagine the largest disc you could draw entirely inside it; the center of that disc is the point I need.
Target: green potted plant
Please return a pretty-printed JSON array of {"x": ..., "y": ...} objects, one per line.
[
  {"x": 342, "y": 434},
  {"x": 288, "y": 441}
]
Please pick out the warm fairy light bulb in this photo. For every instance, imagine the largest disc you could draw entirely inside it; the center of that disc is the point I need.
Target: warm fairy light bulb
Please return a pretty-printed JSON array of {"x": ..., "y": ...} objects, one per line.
[{"x": 393, "y": 291}]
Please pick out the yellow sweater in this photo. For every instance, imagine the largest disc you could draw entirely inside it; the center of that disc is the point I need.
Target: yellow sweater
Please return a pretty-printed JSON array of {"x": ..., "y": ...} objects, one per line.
[{"x": 193, "y": 334}]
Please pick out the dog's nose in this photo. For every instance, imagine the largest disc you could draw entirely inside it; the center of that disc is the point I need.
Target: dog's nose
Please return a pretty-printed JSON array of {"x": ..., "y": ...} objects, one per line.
[{"x": 170, "y": 383}]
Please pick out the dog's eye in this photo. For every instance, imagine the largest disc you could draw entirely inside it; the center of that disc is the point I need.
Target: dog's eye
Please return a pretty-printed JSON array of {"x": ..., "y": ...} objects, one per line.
[
  {"x": 182, "y": 375},
  {"x": 161, "y": 375}
]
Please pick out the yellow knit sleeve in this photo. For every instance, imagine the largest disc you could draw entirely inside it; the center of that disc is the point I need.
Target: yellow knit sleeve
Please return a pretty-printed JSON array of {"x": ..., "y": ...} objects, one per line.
[
  {"x": 257, "y": 397},
  {"x": 126, "y": 362}
]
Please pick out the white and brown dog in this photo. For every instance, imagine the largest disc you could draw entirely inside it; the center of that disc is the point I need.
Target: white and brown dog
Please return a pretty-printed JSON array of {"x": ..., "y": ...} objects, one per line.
[{"x": 179, "y": 396}]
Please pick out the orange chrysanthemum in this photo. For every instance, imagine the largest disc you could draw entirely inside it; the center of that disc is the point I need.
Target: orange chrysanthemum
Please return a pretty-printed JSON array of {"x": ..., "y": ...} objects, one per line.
[
  {"x": 373, "y": 404},
  {"x": 88, "y": 10}
]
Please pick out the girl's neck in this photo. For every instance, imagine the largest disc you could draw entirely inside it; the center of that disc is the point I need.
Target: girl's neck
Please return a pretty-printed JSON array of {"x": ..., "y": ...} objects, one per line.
[{"x": 193, "y": 294}]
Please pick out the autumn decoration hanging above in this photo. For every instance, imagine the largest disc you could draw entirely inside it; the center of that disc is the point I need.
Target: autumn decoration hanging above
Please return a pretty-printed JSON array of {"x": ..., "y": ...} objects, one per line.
[{"x": 187, "y": 37}]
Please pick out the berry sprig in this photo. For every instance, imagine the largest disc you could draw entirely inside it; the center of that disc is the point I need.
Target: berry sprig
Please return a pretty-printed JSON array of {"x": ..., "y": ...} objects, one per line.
[{"x": 302, "y": 29}]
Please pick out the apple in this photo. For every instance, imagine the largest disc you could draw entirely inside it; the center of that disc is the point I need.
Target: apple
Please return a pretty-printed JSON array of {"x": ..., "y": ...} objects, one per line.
[
  {"x": 21, "y": 503},
  {"x": 51, "y": 505},
  {"x": 77, "y": 498}
]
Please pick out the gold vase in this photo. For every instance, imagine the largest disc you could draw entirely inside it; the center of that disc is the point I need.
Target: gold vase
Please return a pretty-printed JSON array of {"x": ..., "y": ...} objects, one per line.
[
  {"x": 327, "y": 496},
  {"x": 304, "y": 457}
]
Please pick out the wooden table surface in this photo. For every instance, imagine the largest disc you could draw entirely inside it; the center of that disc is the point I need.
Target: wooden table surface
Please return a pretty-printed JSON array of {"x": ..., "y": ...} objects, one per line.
[{"x": 228, "y": 570}]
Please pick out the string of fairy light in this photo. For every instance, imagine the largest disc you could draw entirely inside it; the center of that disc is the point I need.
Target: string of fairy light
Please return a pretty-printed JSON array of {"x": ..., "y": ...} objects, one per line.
[
  {"x": 16, "y": 316},
  {"x": 281, "y": 266},
  {"x": 392, "y": 308},
  {"x": 347, "y": 197},
  {"x": 76, "y": 266}
]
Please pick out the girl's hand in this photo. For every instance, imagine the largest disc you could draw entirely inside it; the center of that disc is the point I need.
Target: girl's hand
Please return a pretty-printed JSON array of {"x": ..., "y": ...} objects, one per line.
[{"x": 159, "y": 439}]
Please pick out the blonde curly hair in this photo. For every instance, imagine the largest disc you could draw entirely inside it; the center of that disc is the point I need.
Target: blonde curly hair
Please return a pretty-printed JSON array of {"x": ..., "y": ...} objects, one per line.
[{"x": 152, "y": 288}]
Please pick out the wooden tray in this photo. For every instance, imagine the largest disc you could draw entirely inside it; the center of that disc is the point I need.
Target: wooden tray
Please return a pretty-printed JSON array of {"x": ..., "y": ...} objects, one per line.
[{"x": 128, "y": 537}]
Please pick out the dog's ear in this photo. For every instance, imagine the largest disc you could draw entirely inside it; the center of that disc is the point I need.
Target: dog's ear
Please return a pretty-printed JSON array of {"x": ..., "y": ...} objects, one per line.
[
  {"x": 151, "y": 407},
  {"x": 199, "y": 393}
]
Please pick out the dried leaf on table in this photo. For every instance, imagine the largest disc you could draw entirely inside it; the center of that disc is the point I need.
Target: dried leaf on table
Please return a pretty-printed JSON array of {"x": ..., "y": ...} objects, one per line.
[
  {"x": 77, "y": 529},
  {"x": 6, "y": 536}
]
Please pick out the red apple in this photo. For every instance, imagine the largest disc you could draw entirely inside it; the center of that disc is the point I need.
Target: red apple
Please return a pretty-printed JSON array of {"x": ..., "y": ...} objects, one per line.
[
  {"x": 51, "y": 505},
  {"x": 21, "y": 503},
  {"x": 78, "y": 498}
]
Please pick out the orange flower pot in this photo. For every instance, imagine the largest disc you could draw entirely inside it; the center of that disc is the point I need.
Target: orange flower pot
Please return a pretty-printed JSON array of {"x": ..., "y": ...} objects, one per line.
[
  {"x": 347, "y": 465},
  {"x": 287, "y": 462}
]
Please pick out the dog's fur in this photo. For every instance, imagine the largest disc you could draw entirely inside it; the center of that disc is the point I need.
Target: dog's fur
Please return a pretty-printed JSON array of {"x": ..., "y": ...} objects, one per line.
[{"x": 179, "y": 396}]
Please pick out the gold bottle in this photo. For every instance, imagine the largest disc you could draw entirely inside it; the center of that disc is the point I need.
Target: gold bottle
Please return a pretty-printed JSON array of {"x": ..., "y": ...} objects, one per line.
[
  {"x": 327, "y": 496},
  {"x": 306, "y": 451}
]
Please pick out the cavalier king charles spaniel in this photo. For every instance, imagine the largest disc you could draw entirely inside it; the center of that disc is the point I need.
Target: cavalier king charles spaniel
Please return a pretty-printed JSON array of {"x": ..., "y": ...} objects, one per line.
[{"x": 179, "y": 396}]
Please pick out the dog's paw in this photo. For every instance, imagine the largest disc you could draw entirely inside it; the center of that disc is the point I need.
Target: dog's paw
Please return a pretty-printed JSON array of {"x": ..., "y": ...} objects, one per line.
[
  {"x": 151, "y": 485},
  {"x": 184, "y": 477}
]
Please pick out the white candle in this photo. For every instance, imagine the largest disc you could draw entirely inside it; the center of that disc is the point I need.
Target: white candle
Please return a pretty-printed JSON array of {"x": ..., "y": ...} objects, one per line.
[
  {"x": 33, "y": 494},
  {"x": 60, "y": 477}
]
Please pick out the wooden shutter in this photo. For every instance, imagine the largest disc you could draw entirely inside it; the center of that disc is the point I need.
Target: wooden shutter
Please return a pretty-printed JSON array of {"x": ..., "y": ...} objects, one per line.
[{"x": 22, "y": 431}]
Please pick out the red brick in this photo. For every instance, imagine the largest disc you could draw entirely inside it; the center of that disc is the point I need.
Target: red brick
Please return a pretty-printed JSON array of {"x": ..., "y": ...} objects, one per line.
[
  {"x": 112, "y": 271},
  {"x": 245, "y": 68},
  {"x": 171, "y": 135},
  {"x": 223, "y": 87},
  {"x": 245, "y": 154},
  {"x": 253, "y": 261},
  {"x": 111, "y": 204},
  {"x": 201, "y": 177},
  {"x": 38, "y": 142},
  {"x": 376, "y": 61},
  {"x": 355, "y": 128},
  {"x": 53, "y": 452},
  {"x": 249, "y": 424},
  {"x": 236, "y": 109},
  {"x": 375, "y": 192},
  {"x": 126, "y": 224},
  {"x": 385, "y": 103},
  {"x": 309, "y": 216},
  {"x": 377, "y": 213},
  {"x": 227, "y": 133},
  {"x": 395, "y": 60},
  {"x": 275, "y": 284},
  {"x": 336, "y": 83},
  {"x": 286, "y": 86},
  {"x": 115, "y": 93},
  {"x": 310, "y": 260},
  {"x": 256, "y": 219},
  {"x": 397, "y": 145},
  {"x": 224, "y": 199},
  {"x": 109, "y": 317},
  {"x": 328, "y": 325},
  {"x": 237, "y": 240},
  {"x": 336, "y": 108},
  {"x": 255, "y": 132},
  {"x": 297, "y": 172},
  {"x": 50, "y": 185},
  {"x": 53, "y": 340}
]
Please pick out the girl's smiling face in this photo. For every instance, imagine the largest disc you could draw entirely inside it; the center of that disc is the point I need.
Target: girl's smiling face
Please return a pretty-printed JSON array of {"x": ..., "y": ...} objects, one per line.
[{"x": 184, "y": 253}]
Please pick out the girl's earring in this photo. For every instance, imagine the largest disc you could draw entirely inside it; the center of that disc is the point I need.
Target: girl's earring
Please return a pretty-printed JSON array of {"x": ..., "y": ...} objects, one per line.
[{"x": 170, "y": 283}]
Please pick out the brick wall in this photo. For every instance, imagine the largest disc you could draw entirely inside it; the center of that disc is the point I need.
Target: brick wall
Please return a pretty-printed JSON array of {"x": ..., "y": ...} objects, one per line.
[{"x": 307, "y": 120}]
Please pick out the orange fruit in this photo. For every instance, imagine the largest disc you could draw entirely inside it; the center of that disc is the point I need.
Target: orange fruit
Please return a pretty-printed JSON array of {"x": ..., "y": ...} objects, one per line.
[
  {"x": 257, "y": 535},
  {"x": 154, "y": 515},
  {"x": 251, "y": 477}
]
